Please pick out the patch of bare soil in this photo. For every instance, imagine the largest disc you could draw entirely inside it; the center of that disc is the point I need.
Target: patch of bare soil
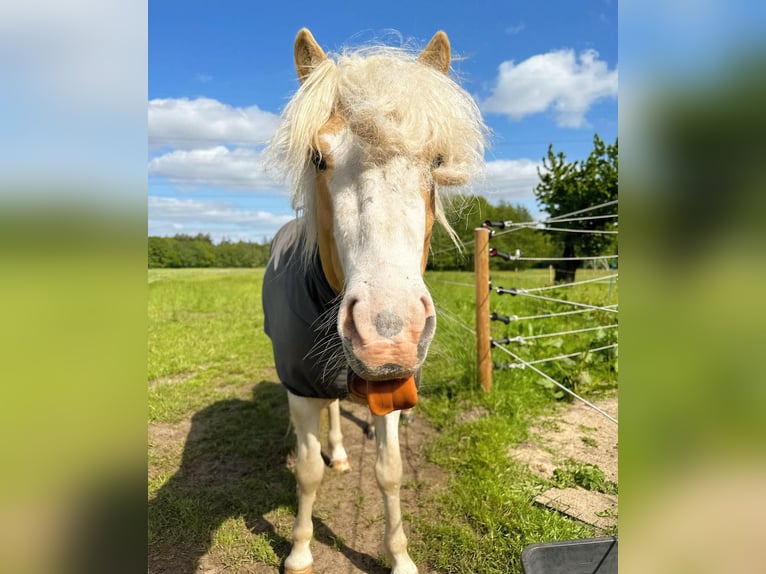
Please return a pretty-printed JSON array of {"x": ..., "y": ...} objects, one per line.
[
  {"x": 166, "y": 440},
  {"x": 171, "y": 380},
  {"x": 472, "y": 414},
  {"x": 581, "y": 434}
]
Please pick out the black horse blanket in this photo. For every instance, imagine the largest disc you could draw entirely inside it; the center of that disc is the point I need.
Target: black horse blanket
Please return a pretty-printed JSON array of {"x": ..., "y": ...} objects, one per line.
[{"x": 300, "y": 314}]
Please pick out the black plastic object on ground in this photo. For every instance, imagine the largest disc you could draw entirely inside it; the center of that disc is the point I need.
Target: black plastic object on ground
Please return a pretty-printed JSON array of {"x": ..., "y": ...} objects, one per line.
[{"x": 587, "y": 556}]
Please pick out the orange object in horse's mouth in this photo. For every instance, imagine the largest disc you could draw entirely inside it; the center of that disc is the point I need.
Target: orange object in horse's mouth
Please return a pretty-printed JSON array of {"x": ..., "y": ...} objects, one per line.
[{"x": 383, "y": 397}]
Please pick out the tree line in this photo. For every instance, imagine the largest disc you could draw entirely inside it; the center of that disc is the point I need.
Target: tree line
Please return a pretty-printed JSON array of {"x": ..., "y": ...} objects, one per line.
[{"x": 200, "y": 251}]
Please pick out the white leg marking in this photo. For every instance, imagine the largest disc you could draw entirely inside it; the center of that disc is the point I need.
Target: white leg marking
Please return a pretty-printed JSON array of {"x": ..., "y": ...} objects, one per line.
[
  {"x": 338, "y": 456},
  {"x": 309, "y": 468},
  {"x": 388, "y": 471}
]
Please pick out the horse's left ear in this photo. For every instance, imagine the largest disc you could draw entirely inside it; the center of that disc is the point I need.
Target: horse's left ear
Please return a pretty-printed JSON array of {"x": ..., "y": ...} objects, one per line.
[
  {"x": 437, "y": 53},
  {"x": 308, "y": 54}
]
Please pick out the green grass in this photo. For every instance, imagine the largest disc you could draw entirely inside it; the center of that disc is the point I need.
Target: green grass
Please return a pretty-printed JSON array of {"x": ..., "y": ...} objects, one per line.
[
  {"x": 587, "y": 476},
  {"x": 205, "y": 338},
  {"x": 210, "y": 363},
  {"x": 225, "y": 487},
  {"x": 486, "y": 517}
]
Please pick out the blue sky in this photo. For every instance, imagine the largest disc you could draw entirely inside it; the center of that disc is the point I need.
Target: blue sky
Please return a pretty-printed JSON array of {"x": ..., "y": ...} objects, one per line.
[{"x": 220, "y": 73}]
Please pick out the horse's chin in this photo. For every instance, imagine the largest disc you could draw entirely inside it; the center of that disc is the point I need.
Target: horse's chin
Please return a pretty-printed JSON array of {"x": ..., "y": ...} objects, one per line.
[{"x": 384, "y": 372}]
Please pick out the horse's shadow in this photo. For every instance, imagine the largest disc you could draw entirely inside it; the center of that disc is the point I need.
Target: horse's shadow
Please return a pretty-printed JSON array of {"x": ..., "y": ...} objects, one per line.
[{"x": 234, "y": 464}]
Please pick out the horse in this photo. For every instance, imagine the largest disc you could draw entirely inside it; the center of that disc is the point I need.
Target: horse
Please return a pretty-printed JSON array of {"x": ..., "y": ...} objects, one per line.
[{"x": 368, "y": 141}]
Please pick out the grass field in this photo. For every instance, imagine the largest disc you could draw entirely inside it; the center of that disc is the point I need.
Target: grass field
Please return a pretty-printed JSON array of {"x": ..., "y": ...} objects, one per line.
[{"x": 220, "y": 491}]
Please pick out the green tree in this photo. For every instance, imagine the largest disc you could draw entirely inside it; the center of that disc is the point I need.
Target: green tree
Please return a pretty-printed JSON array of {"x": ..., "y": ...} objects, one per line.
[
  {"x": 158, "y": 252},
  {"x": 195, "y": 251},
  {"x": 200, "y": 251},
  {"x": 566, "y": 187}
]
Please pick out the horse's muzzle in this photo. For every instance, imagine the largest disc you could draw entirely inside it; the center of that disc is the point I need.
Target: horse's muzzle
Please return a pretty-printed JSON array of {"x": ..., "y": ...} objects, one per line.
[{"x": 383, "y": 345}]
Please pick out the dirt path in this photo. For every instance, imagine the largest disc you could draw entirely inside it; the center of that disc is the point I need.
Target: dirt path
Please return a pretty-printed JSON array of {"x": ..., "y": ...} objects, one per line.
[{"x": 581, "y": 434}]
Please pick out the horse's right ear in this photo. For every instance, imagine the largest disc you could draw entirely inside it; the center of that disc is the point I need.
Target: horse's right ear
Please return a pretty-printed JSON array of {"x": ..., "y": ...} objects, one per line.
[{"x": 308, "y": 54}]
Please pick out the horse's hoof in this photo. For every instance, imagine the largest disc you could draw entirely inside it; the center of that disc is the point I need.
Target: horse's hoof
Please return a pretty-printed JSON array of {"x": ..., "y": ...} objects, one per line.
[
  {"x": 341, "y": 465},
  {"x": 307, "y": 570}
]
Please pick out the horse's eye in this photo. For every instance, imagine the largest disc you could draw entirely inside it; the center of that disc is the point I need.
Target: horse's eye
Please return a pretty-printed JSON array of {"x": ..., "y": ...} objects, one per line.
[
  {"x": 318, "y": 160},
  {"x": 438, "y": 161}
]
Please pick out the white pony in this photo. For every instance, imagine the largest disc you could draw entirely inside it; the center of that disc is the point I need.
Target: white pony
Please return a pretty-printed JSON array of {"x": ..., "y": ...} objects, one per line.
[{"x": 368, "y": 140}]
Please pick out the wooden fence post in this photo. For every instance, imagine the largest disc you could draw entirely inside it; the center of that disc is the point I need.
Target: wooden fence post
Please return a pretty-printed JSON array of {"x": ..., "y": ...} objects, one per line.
[{"x": 481, "y": 269}]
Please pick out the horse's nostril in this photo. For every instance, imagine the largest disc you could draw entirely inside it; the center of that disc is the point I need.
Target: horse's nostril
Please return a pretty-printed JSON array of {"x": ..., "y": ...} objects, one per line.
[
  {"x": 388, "y": 324},
  {"x": 428, "y": 305},
  {"x": 426, "y": 336},
  {"x": 347, "y": 320},
  {"x": 350, "y": 306}
]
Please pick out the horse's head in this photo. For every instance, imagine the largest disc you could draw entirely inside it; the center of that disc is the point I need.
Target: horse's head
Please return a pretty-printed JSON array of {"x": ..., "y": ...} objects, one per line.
[{"x": 384, "y": 143}]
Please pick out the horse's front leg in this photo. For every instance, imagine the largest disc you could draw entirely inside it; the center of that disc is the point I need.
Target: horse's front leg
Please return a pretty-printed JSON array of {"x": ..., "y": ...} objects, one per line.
[
  {"x": 309, "y": 468},
  {"x": 388, "y": 471},
  {"x": 338, "y": 456}
]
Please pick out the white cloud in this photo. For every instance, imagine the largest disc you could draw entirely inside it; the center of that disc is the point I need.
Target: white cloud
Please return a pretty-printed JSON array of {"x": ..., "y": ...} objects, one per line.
[
  {"x": 511, "y": 180},
  {"x": 170, "y": 215},
  {"x": 559, "y": 80},
  {"x": 202, "y": 122},
  {"x": 241, "y": 168}
]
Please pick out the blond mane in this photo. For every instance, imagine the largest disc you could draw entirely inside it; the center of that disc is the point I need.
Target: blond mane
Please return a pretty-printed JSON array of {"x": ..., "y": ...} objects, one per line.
[{"x": 395, "y": 105}]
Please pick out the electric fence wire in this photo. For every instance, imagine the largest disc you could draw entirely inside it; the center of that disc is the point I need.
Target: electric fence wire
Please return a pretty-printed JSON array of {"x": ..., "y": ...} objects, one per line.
[
  {"x": 555, "y": 382},
  {"x": 573, "y": 230},
  {"x": 583, "y": 282},
  {"x": 540, "y": 223},
  {"x": 472, "y": 285},
  {"x": 533, "y": 289},
  {"x": 457, "y": 248},
  {"x": 557, "y": 357},
  {"x": 564, "y": 217},
  {"x": 584, "y": 210},
  {"x": 527, "y": 365},
  {"x": 584, "y": 258},
  {"x": 561, "y": 218},
  {"x": 522, "y": 292},
  {"x": 541, "y": 226},
  {"x": 587, "y": 218},
  {"x": 524, "y": 338},
  {"x": 509, "y": 318},
  {"x": 444, "y": 313}
]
